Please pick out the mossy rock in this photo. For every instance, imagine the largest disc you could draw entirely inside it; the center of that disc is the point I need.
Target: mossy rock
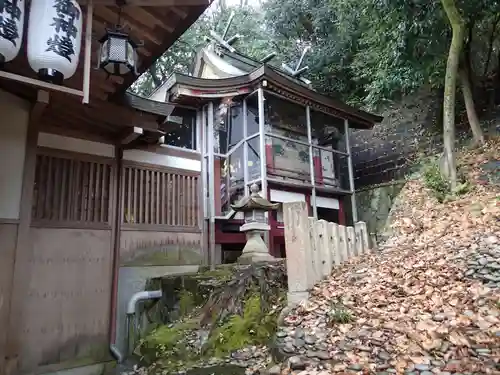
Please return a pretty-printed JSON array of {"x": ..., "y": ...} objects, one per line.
[
  {"x": 167, "y": 346},
  {"x": 253, "y": 327},
  {"x": 182, "y": 294}
]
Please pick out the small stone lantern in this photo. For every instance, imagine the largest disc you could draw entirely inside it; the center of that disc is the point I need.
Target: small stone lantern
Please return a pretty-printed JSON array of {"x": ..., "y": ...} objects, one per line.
[{"x": 254, "y": 208}]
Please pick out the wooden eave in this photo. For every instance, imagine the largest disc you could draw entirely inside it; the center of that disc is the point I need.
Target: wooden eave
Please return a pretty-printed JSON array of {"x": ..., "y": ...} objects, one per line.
[
  {"x": 155, "y": 23},
  {"x": 183, "y": 89}
]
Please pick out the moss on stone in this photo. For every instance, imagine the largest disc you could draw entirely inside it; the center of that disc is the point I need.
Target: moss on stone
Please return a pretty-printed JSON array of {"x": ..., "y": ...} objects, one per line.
[
  {"x": 253, "y": 327},
  {"x": 176, "y": 257},
  {"x": 186, "y": 302},
  {"x": 165, "y": 346},
  {"x": 219, "y": 273}
]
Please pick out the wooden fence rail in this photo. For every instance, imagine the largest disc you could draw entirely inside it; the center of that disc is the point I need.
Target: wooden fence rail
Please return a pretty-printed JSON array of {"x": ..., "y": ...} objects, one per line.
[{"x": 314, "y": 247}]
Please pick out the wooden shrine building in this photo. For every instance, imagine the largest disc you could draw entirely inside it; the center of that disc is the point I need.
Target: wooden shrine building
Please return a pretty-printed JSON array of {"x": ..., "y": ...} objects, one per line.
[{"x": 256, "y": 123}]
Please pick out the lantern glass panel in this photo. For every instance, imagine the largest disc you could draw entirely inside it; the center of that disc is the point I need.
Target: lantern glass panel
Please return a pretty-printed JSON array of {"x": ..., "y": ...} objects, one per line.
[
  {"x": 104, "y": 51},
  {"x": 118, "y": 49},
  {"x": 130, "y": 54}
]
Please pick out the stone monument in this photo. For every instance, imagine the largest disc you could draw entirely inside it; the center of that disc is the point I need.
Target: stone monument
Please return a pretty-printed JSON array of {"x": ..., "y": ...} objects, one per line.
[{"x": 254, "y": 208}]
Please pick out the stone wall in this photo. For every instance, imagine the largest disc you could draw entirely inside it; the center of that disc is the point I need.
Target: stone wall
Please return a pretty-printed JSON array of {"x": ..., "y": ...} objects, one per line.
[{"x": 375, "y": 203}]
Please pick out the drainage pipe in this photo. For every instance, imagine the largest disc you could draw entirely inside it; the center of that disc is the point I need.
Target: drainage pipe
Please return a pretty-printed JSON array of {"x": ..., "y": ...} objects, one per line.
[{"x": 132, "y": 324}]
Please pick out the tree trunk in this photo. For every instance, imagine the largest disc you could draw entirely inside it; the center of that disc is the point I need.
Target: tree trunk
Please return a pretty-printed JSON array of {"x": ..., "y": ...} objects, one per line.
[
  {"x": 490, "y": 44},
  {"x": 450, "y": 88},
  {"x": 477, "y": 132}
]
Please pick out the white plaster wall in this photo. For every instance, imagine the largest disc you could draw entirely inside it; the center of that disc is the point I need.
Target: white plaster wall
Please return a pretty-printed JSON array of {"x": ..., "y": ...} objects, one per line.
[
  {"x": 13, "y": 129},
  {"x": 161, "y": 159},
  {"x": 76, "y": 145}
]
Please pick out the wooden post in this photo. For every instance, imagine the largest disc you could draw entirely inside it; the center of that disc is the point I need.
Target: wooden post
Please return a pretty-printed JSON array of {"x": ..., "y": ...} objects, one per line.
[
  {"x": 343, "y": 243},
  {"x": 333, "y": 232},
  {"x": 87, "y": 53},
  {"x": 298, "y": 251},
  {"x": 324, "y": 245},
  {"x": 351, "y": 249},
  {"x": 315, "y": 253},
  {"x": 23, "y": 261}
]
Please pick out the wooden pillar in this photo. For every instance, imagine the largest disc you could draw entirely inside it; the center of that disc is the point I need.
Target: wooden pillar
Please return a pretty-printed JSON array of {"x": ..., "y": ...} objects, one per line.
[{"x": 24, "y": 248}]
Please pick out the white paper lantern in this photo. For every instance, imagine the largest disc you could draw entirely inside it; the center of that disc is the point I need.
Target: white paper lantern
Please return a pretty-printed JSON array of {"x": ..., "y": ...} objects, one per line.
[
  {"x": 54, "y": 38},
  {"x": 12, "y": 15}
]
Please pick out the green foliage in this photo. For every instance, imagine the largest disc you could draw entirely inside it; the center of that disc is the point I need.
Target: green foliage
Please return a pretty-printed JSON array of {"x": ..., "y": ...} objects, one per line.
[
  {"x": 165, "y": 344},
  {"x": 253, "y": 327},
  {"x": 435, "y": 182},
  {"x": 363, "y": 51},
  {"x": 339, "y": 314},
  {"x": 438, "y": 185},
  {"x": 186, "y": 302}
]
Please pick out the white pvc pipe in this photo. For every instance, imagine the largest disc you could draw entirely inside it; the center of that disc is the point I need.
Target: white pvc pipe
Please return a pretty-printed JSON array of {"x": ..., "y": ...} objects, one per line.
[{"x": 142, "y": 296}]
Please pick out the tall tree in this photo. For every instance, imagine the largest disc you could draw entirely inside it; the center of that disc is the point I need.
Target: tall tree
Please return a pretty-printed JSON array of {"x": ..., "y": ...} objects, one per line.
[{"x": 450, "y": 87}]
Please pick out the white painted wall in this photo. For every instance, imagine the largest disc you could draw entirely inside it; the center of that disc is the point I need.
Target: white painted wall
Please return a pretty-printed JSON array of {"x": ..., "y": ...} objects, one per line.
[
  {"x": 13, "y": 129},
  {"x": 282, "y": 196},
  {"x": 76, "y": 145},
  {"x": 327, "y": 203},
  {"x": 161, "y": 159}
]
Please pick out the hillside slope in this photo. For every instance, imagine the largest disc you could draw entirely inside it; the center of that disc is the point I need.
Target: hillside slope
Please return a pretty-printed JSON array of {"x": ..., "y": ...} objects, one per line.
[{"x": 427, "y": 302}]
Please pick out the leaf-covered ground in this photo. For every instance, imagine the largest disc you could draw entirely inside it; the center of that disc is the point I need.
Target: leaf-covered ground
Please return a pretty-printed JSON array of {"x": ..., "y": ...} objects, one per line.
[{"x": 427, "y": 301}]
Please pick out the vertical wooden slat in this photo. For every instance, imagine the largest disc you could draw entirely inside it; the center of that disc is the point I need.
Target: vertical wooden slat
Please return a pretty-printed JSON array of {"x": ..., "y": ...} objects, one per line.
[
  {"x": 76, "y": 189},
  {"x": 129, "y": 209},
  {"x": 185, "y": 200},
  {"x": 163, "y": 198},
  {"x": 105, "y": 190},
  {"x": 169, "y": 199},
  {"x": 174, "y": 201},
  {"x": 41, "y": 186},
  {"x": 63, "y": 201},
  {"x": 90, "y": 195},
  {"x": 140, "y": 216},
  {"x": 97, "y": 197},
  {"x": 180, "y": 212},
  {"x": 48, "y": 191},
  {"x": 193, "y": 201},
  {"x": 84, "y": 190},
  {"x": 158, "y": 199},
  {"x": 198, "y": 203},
  {"x": 188, "y": 205},
  {"x": 54, "y": 209},
  {"x": 71, "y": 179},
  {"x": 136, "y": 195},
  {"x": 147, "y": 200}
]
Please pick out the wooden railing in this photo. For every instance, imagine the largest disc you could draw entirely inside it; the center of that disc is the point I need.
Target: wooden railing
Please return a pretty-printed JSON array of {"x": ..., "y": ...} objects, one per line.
[
  {"x": 71, "y": 188},
  {"x": 157, "y": 196}
]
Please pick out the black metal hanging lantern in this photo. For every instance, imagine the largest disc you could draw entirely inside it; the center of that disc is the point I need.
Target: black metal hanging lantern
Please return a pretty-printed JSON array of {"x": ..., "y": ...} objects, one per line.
[{"x": 118, "y": 54}]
